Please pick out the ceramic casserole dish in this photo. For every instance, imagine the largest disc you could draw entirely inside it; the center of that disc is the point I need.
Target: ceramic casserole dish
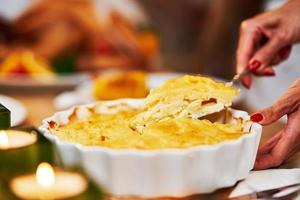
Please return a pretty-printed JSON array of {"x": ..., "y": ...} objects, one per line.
[{"x": 157, "y": 173}]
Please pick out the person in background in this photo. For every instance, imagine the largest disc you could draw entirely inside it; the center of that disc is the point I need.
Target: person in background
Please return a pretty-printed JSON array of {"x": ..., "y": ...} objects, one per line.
[
  {"x": 265, "y": 41},
  {"x": 199, "y": 36}
]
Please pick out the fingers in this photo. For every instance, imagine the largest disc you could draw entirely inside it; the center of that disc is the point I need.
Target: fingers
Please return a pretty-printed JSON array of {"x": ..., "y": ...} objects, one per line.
[
  {"x": 266, "y": 161},
  {"x": 266, "y": 53},
  {"x": 276, "y": 155},
  {"x": 266, "y": 148},
  {"x": 270, "y": 114},
  {"x": 283, "y": 145},
  {"x": 260, "y": 67},
  {"x": 282, "y": 55},
  {"x": 268, "y": 71},
  {"x": 246, "y": 81},
  {"x": 250, "y": 34},
  {"x": 263, "y": 43},
  {"x": 286, "y": 104}
]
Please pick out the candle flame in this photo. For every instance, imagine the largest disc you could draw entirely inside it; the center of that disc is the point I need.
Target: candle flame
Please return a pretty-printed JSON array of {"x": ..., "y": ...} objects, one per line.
[
  {"x": 45, "y": 175},
  {"x": 3, "y": 140}
]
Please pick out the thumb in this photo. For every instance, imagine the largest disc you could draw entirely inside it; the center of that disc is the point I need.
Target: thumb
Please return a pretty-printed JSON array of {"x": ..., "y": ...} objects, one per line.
[
  {"x": 267, "y": 116},
  {"x": 264, "y": 56},
  {"x": 288, "y": 103}
]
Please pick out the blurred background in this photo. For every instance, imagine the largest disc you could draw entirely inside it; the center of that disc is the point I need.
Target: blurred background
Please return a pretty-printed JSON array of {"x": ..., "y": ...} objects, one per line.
[{"x": 66, "y": 36}]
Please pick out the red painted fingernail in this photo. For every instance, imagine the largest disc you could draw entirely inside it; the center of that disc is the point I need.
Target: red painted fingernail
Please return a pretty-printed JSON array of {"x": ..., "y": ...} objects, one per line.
[
  {"x": 254, "y": 65},
  {"x": 269, "y": 72},
  {"x": 257, "y": 117},
  {"x": 284, "y": 52},
  {"x": 247, "y": 81}
]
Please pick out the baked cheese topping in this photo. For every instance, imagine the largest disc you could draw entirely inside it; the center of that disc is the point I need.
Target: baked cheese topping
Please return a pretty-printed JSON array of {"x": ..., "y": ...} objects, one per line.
[
  {"x": 113, "y": 131},
  {"x": 187, "y": 96},
  {"x": 167, "y": 119}
]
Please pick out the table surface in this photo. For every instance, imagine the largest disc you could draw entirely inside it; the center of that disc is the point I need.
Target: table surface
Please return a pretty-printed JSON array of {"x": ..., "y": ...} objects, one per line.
[{"x": 40, "y": 105}]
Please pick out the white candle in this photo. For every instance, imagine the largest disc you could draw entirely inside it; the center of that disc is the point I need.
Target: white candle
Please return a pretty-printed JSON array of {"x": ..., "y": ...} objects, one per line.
[
  {"x": 11, "y": 139},
  {"x": 48, "y": 184}
]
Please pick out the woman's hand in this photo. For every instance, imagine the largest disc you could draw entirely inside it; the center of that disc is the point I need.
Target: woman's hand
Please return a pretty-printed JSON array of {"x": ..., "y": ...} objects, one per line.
[
  {"x": 266, "y": 40},
  {"x": 286, "y": 142}
]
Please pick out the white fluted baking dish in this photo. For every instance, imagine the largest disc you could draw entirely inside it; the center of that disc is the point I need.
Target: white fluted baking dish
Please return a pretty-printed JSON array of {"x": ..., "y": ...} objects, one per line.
[{"x": 156, "y": 173}]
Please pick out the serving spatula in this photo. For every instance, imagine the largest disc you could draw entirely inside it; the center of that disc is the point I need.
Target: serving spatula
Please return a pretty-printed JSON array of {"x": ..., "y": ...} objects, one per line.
[{"x": 237, "y": 77}]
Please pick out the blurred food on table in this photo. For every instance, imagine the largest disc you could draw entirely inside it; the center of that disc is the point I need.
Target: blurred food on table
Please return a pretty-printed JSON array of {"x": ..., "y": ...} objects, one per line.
[
  {"x": 25, "y": 63},
  {"x": 117, "y": 85},
  {"x": 121, "y": 45},
  {"x": 70, "y": 36}
]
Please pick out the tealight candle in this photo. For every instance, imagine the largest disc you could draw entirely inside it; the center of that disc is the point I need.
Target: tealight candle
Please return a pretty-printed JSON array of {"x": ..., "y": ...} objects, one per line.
[
  {"x": 12, "y": 139},
  {"x": 48, "y": 184}
]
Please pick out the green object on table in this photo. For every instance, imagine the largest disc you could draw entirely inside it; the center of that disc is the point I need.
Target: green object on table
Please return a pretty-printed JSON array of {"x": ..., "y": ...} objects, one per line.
[
  {"x": 16, "y": 162},
  {"x": 65, "y": 64},
  {"x": 4, "y": 117}
]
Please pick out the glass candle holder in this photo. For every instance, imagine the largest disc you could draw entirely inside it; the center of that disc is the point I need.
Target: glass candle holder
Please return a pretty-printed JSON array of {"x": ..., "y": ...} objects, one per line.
[{"x": 4, "y": 117}]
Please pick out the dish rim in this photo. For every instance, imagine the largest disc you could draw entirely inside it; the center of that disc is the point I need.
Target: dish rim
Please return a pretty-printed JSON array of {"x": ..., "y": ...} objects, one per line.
[{"x": 44, "y": 128}]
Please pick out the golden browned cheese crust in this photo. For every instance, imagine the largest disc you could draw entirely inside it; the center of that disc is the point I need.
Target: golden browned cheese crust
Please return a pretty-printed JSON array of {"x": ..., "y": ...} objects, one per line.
[
  {"x": 187, "y": 96},
  {"x": 169, "y": 118},
  {"x": 113, "y": 131}
]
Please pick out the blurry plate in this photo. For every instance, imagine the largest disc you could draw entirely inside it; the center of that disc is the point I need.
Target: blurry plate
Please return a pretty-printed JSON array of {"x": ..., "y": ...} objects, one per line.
[
  {"x": 60, "y": 82},
  {"x": 83, "y": 93},
  {"x": 18, "y": 111}
]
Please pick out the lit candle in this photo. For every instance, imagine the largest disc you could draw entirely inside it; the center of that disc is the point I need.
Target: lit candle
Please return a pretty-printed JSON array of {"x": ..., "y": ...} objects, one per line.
[
  {"x": 48, "y": 184},
  {"x": 3, "y": 140},
  {"x": 12, "y": 139}
]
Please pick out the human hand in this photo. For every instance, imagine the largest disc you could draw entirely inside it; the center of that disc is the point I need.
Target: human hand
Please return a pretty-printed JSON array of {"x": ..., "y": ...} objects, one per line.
[
  {"x": 266, "y": 40},
  {"x": 286, "y": 142}
]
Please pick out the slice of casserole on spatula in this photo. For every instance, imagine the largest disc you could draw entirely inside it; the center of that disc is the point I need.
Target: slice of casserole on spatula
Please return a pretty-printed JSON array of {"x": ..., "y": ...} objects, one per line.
[{"x": 187, "y": 96}]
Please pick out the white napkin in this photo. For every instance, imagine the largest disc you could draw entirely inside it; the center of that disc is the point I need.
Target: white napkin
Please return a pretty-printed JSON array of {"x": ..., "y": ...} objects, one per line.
[{"x": 263, "y": 180}]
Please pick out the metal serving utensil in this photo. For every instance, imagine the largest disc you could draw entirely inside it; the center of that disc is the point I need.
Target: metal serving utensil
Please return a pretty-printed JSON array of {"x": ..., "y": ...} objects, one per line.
[{"x": 236, "y": 78}]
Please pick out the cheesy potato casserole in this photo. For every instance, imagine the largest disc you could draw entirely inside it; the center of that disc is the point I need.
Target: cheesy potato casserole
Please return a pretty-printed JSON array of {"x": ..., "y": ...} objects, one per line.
[{"x": 169, "y": 118}]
